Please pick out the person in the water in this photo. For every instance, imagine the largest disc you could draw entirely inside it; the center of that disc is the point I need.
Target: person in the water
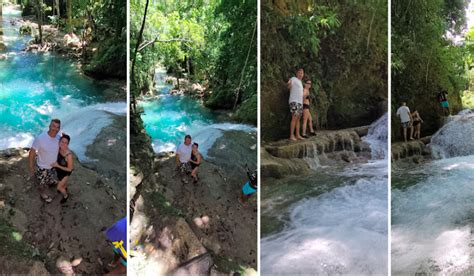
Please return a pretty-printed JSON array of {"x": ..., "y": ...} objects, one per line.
[
  {"x": 183, "y": 154},
  {"x": 307, "y": 118},
  {"x": 63, "y": 166},
  {"x": 43, "y": 153},
  {"x": 250, "y": 187},
  {"x": 195, "y": 161},
  {"x": 417, "y": 121}
]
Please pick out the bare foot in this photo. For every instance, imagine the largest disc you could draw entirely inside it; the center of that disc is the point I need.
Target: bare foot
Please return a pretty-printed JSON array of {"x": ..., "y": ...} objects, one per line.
[
  {"x": 299, "y": 138},
  {"x": 292, "y": 139}
]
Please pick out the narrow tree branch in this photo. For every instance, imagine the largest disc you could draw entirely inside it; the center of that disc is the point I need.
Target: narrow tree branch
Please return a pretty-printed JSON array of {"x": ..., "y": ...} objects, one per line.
[{"x": 148, "y": 43}]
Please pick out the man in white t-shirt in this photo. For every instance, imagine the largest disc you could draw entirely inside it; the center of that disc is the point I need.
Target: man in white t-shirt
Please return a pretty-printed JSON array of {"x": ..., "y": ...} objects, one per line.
[
  {"x": 296, "y": 104},
  {"x": 404, "y": 114},
  {"x": 43, "y": 153},
  {"x": 183, "y": 153}
]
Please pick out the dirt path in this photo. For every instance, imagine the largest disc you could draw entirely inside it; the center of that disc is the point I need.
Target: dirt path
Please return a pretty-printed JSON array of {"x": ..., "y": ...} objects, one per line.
[
  {"x": 167, "y": 202},
  {"x": 70, "y": 230}
]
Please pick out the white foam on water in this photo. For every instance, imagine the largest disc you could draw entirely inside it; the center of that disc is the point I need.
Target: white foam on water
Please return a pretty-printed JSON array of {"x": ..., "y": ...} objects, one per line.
[
  {"x": 343, "y": 231},
  {"x": 207, "y": 135},
  {"x": 432, "y": 220},
  {"x": 160, "y": 146},
  {"x": 18, "y": 140},
  {"x": 82, "y": 123},
  {"x": 455, "y": 138},
  {"x": 377, "y": 138}
]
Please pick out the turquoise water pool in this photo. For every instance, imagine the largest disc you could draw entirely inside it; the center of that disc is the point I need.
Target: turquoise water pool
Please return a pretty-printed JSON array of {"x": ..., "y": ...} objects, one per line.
[
  {"x": 34, "y": 88},
  {"x": 169, "y": 117}
]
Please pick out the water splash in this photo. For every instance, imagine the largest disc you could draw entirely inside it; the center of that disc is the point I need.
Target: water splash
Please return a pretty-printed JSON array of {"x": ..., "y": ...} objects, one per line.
[
  {"x": 377, "y": 138},
  {"x": 432, "y": 220},
  {"x": 342, "y": 231},
  {"x": 456, "y": 138}
]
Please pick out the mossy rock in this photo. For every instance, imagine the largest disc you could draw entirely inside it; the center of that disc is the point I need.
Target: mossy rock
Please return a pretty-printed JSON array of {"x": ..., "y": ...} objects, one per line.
[
  {"x": 222, "y": 98},
  {"x": 247, "y": 112}
]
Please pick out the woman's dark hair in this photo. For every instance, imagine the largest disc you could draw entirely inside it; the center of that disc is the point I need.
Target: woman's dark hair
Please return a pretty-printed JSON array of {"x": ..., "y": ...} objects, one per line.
[
  {"x": 196, "y": 144},
  {"x": 64, "y": 135}
]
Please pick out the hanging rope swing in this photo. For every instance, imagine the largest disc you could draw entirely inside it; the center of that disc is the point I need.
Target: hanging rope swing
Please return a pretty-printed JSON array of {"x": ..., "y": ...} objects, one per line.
[{"x": 238, "y": 89}]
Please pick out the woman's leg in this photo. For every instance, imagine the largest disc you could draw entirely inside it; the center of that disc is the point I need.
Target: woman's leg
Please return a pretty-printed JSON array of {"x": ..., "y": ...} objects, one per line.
[
  {"x": 305, "y": 120},
  {"x": 62, "y": 186},
  {"x": 418, "y": 131},
  {"x": 310, "y": 121},
  {"x": 194, "y": 172}
]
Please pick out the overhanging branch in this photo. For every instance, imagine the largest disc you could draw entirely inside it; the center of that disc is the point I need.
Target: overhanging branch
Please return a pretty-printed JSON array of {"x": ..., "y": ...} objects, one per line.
[{"x": 156, "y": 40}]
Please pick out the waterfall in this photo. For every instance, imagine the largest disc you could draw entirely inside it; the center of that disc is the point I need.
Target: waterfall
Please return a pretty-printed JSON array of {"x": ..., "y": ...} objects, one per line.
[
  {"x": 456, "y": 138},
  {"x": 377, "y": 138}
]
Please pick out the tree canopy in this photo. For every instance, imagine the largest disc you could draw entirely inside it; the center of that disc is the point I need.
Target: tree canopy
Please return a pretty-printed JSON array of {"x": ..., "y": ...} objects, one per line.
[
  {"x": 428, "y": 57},
  {"x": 202, "y": 41}
]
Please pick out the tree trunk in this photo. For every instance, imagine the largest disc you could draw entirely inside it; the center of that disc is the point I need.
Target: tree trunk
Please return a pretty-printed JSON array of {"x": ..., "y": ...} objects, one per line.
[
  {"x": 58, "y": 8},
  {"x": 39, "y": 15},
  {"x": 69, "y": 15},
  {"x": 133, "y": 101}
]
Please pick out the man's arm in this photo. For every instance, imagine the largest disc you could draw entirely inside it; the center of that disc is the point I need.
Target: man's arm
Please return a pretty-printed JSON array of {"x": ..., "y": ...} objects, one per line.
[
  {"x": 288, "y": 84},
  {"x": 31, "y": 160},
  {"x": 177, "y": 159}
]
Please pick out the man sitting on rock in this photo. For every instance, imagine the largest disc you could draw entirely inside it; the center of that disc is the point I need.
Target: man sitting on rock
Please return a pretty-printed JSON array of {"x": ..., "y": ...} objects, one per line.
[
  {"x": 404, "y": 114},
  {"x": 43, "y": 153},
  {"x": 183, "y": 154}
]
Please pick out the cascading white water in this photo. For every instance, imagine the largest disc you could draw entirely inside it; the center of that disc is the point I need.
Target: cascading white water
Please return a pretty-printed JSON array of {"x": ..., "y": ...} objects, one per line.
[
  {"x": 377, "y": 138},
  {"x": 343, "y": 231},
  {"x": 456, "y": 138},
  {"x": 432, "y": 219}
]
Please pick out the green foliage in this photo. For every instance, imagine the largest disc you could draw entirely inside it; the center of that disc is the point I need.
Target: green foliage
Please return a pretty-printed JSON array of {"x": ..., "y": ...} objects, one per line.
[
  {"x": 343, "y": 49},
  {"x": 109, "y": 61},
  {"x": 203, "y": 41},
  {"x": 426, "y": 59}
]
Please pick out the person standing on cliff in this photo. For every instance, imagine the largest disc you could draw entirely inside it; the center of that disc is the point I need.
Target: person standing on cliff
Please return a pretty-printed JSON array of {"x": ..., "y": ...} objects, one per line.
[
  {"x": 43, "y": 153},
  {"x": 443, "y": 101},
  {"x": 404, "y": 114},
  {"x": 183, "y": 154},
  {"x": 296, "y": 104}
]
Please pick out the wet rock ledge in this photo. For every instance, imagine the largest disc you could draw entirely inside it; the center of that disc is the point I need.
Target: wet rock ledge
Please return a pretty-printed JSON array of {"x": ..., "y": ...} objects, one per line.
[{"x": 285, "y": 157}]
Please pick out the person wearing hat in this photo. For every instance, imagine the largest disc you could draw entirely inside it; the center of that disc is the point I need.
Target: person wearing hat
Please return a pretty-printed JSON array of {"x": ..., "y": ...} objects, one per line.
[{"x": 117, "y": 237}]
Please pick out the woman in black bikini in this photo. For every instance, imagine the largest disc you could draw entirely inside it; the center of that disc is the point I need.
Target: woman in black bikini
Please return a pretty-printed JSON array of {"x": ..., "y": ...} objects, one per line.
[
  {"x": 63, "y": 166},
  {"x": 307, "y": 118},
  {"x": 195, "y": 161},
  {"x": 416, "y": 124}
]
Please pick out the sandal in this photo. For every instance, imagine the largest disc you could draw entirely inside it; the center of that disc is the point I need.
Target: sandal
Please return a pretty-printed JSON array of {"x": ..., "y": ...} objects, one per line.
[{"x": 46, "y": 198}]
